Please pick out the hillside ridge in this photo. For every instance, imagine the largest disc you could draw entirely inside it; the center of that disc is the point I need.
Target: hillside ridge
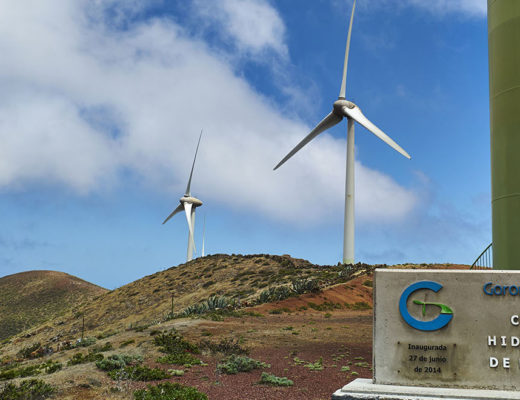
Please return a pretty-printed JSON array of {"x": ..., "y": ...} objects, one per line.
[{"x": 29, "y": 298}]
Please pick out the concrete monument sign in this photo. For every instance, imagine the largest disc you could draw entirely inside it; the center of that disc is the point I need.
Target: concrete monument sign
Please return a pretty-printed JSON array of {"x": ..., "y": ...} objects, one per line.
[{"x": 447, "y": 329}]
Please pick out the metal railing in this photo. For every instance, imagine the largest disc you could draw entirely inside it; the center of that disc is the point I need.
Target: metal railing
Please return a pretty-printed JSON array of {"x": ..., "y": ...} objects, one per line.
[{"x": 485, "y": 259}]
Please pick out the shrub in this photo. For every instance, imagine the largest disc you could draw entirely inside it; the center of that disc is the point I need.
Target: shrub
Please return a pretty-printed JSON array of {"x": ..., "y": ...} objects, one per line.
[
  {"x": 52, "y": 366},
  {"x": 225, "y": 346},
  {"x": 169, "y": 391},
  {"x": 138, "y": 373},
  {"x": 117, "y": 361},
  {"x": 173, "y": 342},
  {"x": 275, "y": 294},
  {"x": 22, "y": 372},
  {"x": 32, "y": 389},
  {"x": 235, "y": 364},
  {"x": 29, "y": 351},
  {"x": 301, "y": 286},
  {"x": 79, "y": 358},
  {"x": 270, "y": 379},
  {"x": 176, "y": 372},
  {"x": 179, "y": 359},
  {"x": 126, "y": 343},
  {"x": 178, "y": 350},
  {"x": 316, "y": 365},
  {"x": 211, "y": 304}
]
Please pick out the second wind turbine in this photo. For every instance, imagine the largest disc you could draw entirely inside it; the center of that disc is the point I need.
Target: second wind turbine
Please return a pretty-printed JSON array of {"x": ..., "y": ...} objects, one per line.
[
  {"x": 189, "y": 204},
  {"x": 344, "y": 108}
]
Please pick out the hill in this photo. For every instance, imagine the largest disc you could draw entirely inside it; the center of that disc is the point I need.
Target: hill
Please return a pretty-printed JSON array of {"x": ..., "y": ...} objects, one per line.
[
  {"x": 309, "y": 323},
  {"x": 236, "y": 278},
  {"x": 32, "y": 297}
]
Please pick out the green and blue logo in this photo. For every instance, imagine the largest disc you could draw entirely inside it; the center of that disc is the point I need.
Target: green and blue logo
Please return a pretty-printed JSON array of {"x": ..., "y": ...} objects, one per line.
[{"x": 441, "y": 321}]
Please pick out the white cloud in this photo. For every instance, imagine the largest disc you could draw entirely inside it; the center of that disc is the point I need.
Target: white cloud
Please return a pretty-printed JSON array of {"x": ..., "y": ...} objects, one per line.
[
  {"x": 254, "y": 26},
  {"x": 81, "y": 101}
]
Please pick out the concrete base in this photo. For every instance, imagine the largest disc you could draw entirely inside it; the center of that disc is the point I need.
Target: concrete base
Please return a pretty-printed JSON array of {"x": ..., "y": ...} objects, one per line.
[{"x": 364, "y": 389}]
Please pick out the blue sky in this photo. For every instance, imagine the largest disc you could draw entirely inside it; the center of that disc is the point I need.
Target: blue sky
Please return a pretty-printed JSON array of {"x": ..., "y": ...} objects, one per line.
[{"x": 102, "y": 103}]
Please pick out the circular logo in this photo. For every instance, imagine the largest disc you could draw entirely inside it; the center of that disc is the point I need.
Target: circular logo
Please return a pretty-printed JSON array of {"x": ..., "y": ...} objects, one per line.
[{"x": 441, "y": 321}]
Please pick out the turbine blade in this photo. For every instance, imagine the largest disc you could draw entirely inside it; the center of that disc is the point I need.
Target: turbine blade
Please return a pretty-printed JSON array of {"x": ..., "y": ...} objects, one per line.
[
  {"x": 347, "y": 51},
  {"x": 327, "y": 122},
  {"x": 178, "y": 209},
  {"x": 356, "y": 114},
  {"x": 188, "y": 188}
]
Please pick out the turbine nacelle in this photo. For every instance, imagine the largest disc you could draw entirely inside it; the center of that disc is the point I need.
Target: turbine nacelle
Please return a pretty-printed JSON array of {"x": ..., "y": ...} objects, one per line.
[
  {"x": 337, "y": 107},
  {"x": 192, "y": 200}
]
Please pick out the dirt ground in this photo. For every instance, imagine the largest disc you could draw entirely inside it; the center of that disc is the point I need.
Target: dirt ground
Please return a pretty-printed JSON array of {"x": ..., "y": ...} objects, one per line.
[
  {"x": 334, "y": 326},
  {"x": 286, "y": 341}
]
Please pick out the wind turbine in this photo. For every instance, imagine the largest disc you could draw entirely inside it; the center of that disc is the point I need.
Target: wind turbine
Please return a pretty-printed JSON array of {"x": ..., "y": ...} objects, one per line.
[
  {"x": 189, "y": 204},
  {"x": 344, "y": 108}
]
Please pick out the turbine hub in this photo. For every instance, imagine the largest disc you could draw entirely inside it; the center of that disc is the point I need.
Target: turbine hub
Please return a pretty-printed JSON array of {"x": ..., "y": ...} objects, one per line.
[
  {"x": 337, "y": 107},
  {"x": 189, "y": 199}
]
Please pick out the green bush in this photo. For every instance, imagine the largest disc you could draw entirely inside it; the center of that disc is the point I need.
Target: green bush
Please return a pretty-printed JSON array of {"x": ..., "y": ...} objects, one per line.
[
  {"x": 139, "y": 373},
  {"x": 178, "y": 350},
  {"x": 173, "y": 342},
  {"x": 301, "y": 286},
  {"x": 275, "y": 294},
  {"x": 79, "y": 358},
  {"x": 20, "y": 372},
  {"x": 32, "y": 389},
  {"x": 176, "y": 372},
  {"x": 270, "y": 379},
  {"x": 52, "y": 366},
  {"x": 316, "y": 365},
  {"x": 211, "y": 304},
  {"x": 169, "y": 391},
  {"x": 179, "y": 359},
  {"x": 117, "y": 361},
  {"x": 235, "y": 364},
  {"x": 27, "y": 352},
  {"x": 13, "y": 372}
]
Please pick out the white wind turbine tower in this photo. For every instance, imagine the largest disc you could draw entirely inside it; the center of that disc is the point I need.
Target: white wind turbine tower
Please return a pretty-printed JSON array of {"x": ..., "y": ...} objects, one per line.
[
  {"x": 189, "y": 204},
  {"x": 203, "y": 234},
  {"x": 344, "y": 108}
]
